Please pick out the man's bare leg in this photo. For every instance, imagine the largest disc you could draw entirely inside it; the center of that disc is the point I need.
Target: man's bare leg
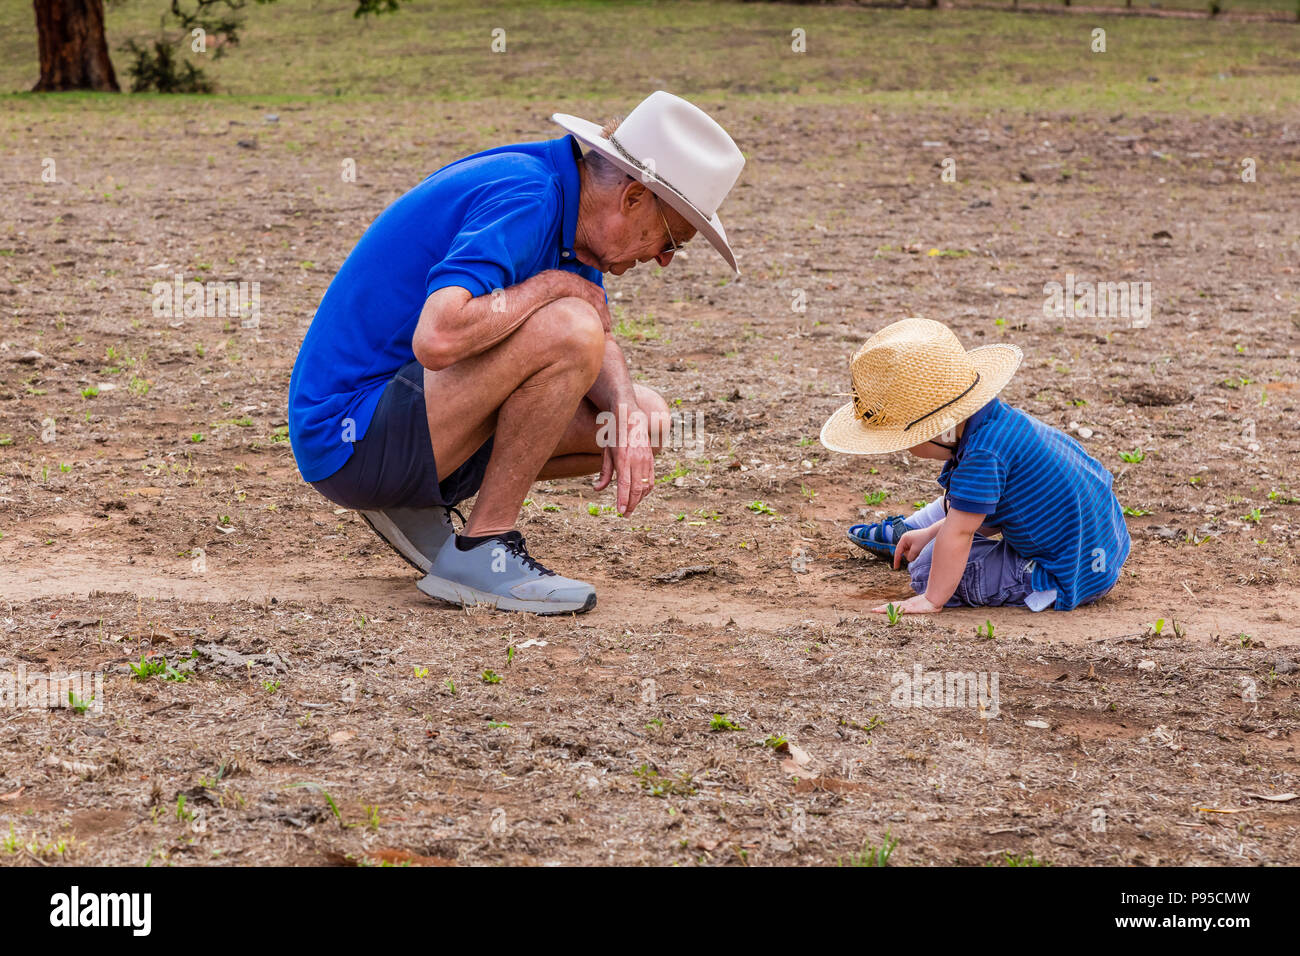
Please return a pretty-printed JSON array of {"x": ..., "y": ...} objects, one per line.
[
  {"x": 525, "y": 391},
  {"x": 578, "y": 452}
]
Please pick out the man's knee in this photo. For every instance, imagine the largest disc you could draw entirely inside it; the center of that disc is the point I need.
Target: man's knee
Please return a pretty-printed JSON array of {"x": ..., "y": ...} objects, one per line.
[{"x": 569, "y": 330}]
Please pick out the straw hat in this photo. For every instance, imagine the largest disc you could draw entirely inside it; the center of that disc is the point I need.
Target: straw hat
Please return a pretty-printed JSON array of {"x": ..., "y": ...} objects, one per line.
[
  {"x": 913, "y": 381},
  {"x": 682, "y": 155}
]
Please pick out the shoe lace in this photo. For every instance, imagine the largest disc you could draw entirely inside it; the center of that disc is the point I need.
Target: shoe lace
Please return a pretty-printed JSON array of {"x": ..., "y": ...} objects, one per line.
[
  {"x": 516, "y": 545},
  {"x": 456, "y": 512}
]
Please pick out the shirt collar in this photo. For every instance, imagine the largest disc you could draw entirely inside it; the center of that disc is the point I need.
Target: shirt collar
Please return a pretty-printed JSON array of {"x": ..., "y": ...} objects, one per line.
[
  {"x": 973, "y": 423},
  {"x": 564, "y": 156}
]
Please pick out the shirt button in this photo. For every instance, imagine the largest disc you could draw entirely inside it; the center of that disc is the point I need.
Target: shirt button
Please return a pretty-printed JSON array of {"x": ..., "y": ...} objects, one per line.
[{"x": 565, "y": 253}]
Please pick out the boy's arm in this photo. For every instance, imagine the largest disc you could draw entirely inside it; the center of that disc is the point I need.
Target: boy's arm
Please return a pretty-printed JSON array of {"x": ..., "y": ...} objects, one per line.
[
  {"x": 947, "y": 565},
  {"x": 951, "y": 552}
]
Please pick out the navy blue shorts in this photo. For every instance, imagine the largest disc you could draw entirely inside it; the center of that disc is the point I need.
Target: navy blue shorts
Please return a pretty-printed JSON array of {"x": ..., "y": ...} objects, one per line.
[{"x": 393, "y": 466}]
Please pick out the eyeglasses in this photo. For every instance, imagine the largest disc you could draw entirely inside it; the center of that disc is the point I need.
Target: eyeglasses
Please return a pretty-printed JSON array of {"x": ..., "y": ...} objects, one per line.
[{"x": 672, "y": 243}]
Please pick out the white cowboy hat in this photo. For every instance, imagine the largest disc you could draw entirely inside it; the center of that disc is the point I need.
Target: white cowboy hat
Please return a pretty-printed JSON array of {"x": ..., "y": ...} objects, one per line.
[
  {"x": 913, "y": 381},
  {"x": 679, "y": 152}
]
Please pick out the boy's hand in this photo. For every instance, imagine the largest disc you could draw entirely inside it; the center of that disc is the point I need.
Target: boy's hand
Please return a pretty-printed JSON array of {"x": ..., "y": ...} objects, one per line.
[
  {"x": 913, "y": 542},
  {"x": 917, "y": 604}
]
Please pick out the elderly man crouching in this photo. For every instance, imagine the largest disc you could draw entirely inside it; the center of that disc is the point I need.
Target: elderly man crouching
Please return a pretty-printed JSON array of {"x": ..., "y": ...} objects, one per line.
[{"x": 465, "y": 347}]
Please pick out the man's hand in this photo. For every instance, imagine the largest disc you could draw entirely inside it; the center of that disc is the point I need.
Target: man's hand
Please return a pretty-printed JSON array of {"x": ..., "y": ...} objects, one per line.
[
  {"x": 631, "y": 458},
  {"x": 917, "y": 604}
]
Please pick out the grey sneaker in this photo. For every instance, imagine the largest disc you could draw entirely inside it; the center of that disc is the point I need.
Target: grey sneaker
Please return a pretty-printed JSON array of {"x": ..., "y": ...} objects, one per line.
[
  {"x": 499, "y": 572},
  {"x": 416, "y": 534}
]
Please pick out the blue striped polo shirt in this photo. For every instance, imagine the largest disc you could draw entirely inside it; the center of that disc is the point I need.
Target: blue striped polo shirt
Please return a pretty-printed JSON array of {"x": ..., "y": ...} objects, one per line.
[{"x": 1052, "y": 500}]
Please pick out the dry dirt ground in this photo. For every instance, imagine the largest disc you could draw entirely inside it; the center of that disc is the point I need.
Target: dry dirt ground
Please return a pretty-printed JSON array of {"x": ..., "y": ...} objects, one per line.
[{"x": 328, "y": 712}]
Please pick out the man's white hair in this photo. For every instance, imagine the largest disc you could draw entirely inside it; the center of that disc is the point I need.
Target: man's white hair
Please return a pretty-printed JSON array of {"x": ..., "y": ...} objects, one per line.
[{"x": 603, "y": 172}]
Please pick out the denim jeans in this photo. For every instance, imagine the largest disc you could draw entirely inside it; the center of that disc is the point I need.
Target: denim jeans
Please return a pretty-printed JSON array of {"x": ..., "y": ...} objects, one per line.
[{"x": 995, "y": 574}]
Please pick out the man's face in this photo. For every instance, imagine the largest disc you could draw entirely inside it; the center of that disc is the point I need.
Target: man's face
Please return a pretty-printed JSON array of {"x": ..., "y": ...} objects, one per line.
[{"x": 638, "y": 228}]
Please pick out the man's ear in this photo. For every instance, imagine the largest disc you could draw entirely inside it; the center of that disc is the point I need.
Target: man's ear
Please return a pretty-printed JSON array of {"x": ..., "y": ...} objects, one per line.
[{"x": 635, "y": 194}]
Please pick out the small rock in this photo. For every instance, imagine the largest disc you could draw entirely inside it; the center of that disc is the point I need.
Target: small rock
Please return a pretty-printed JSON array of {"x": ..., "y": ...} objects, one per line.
[
  {"x": 1284, "y": 666},
  {"x": 1038, "y": 724},
  {"x": 1085, "y": 432},
  {"x": 1147, "y": 665}
]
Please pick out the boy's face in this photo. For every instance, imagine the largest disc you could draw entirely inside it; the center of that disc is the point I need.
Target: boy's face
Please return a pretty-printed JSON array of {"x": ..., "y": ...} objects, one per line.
[
  {"x": 939, "y": 448},
  {"x": 932, "y": 450}
]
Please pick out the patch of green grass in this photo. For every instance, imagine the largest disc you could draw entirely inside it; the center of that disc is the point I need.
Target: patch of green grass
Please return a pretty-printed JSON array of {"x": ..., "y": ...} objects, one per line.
[
  {"x": 681, "y": 471},
  {"x": 662, "y": 785},
  {"x": 148, "y": 667},
  {"x": 925, "y": 59},
  {"x": 642, "y": 329},
  {"x": 872, "y": 855},
  {"x": 759, "y": 508},
  {"x": 723, "y": 722},
  {"x": 1018, "y": 859}
]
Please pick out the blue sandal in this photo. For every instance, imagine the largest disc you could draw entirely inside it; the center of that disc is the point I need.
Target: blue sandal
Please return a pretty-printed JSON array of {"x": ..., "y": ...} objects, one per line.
[{"x": 880, "y": 538}]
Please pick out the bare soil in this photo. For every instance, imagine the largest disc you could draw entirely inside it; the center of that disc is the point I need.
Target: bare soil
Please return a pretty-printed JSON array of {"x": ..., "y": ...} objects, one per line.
[{"x": 312, "y": 659}]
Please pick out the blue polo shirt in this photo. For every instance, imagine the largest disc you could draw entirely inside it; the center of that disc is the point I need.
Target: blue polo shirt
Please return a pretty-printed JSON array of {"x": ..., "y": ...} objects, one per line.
[
  {"x": 1052, "y": 500},
  {"x": 486, "y": 222}
]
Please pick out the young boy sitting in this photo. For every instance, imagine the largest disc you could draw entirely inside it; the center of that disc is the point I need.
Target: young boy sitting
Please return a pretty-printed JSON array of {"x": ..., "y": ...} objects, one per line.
[{"x": 1063, "y": 536}]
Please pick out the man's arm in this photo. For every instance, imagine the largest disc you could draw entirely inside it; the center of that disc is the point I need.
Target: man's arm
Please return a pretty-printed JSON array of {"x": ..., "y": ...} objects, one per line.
[
  {"x": 613, "y": 386},
  {"x": 454, "y": 325},
  {"x": 634, "y": 460}
]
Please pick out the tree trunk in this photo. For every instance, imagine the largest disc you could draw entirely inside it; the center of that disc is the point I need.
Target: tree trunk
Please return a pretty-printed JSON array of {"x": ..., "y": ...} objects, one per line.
[{"x": 74, "y": 51}]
